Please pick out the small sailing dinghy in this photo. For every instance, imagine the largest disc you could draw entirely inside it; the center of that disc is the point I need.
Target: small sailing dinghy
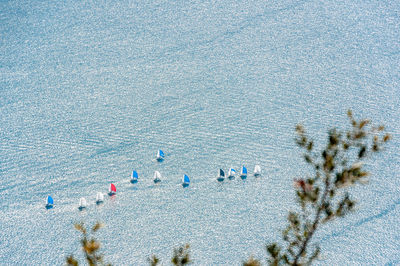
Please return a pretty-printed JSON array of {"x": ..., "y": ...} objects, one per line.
[
  {"x": 49, "y": 202},
  {"x": 160, "y": 155},
  {"x": 112, "y": 190},
  {"x": 157, "y": 177},
  {"x": 231, "y": 173},
  {"x": 257, "y": 170},
  {"x": 134, "y": 177},
  {"x": 185, "y": 181},
  {"x": 99, "y": 198},
  {"x": 221, "y": 175},
  {"x": 82, "y": 204},
  {"x": 243, "y": 172}
]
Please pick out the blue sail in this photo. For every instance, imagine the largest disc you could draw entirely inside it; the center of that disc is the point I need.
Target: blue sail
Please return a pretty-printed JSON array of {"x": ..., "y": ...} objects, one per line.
[
  {"x": 49, "y": 203},
  {"x": 186, "y": 179},
  {"x": 221, "y": 175},
  {"x": 135, "y": 175},
  {"x": 244, "y": 170},
  {"x": 50, "y": 200},
  {"x": 160, "y": 155}
]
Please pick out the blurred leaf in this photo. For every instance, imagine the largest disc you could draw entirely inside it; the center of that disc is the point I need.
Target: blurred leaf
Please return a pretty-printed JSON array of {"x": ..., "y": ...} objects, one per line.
[
  {"x": 153, "y": 260},
  {"x": 251, "y": 262},
  {"x": 71, "y": 261},
  {"x": 181, "y": 255},
  {"x": 362, "y": 151},
  {"x": 97, "y": 226}
]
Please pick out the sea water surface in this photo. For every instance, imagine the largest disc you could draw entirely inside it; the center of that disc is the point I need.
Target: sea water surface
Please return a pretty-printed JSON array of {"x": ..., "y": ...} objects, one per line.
[{"x": 90, "y": 90}]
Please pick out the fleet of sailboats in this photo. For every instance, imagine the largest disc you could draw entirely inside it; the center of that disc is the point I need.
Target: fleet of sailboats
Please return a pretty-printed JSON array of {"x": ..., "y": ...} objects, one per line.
[{"x": 156, "y": 179}]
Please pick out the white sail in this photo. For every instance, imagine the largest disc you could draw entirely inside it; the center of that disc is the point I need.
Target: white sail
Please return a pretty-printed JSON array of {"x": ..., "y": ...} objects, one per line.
[
  {"x": 99, "y": 197},
  {"x": 257, "y": 170},
  {"x": 231, "y": 172},
  {"x": 82, "y": 203},
  {"x": 160, "y": 155},
  {"x": 157, "y": 177}
]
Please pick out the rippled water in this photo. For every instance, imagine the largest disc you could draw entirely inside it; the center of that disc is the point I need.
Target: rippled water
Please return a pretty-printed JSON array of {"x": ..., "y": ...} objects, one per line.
[{"x": 90, "y": 90}]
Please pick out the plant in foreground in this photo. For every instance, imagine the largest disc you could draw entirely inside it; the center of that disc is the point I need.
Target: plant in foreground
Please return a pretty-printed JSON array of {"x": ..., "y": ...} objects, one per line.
[
  {"x": 180, "y": 257},
  {"x": 324, "y": 196},
  {"x": 90, "y": 247},
  {"x": 321, "y": 197}
]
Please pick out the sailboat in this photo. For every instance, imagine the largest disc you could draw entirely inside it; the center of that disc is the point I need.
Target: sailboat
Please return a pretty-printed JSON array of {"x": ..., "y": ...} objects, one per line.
[
  {"x": 185, "y": 181},
  {"x": 99, "y": 197},
  {"x": 243, "y": 172},
  {"x": 49, "y": 202},
  {"x": 221, "y": 175},
  {"x": 134, "y": 177},
  {"x": 82, "y": 204},
  {"x": 160, "y": 155},
  {"x": 257, "y": 170},
  {"x": 157, "y": 177},
  {"x": 231, "y": 173},
  {"x": 112, "y": 190}
]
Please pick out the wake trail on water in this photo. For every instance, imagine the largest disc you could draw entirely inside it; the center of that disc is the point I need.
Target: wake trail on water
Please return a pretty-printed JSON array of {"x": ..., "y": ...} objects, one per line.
[
  {"x": 390, "y": 208},
  {"x": 226, "y": 35}
]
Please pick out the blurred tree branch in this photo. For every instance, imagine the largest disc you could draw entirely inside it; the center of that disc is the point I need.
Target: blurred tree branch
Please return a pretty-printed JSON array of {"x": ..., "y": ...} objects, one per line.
[
  {"x": 90, "y": 247},
  {"x": 324, "y": 196}
]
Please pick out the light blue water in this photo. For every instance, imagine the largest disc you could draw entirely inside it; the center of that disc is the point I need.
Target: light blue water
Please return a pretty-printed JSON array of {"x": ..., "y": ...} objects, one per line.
[{"x": 92, "y": 89}]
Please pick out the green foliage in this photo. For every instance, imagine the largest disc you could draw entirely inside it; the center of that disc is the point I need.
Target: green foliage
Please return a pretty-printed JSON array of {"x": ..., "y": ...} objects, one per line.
[
  {"x": 324, "y": 196},
  {"x": 90, "y": 247}
]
